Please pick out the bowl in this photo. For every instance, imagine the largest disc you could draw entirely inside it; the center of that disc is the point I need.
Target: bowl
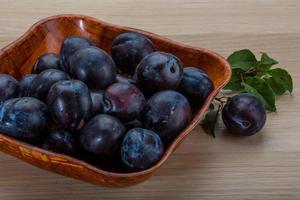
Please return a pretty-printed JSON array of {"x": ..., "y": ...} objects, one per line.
[{"x": 47, "y": 35}]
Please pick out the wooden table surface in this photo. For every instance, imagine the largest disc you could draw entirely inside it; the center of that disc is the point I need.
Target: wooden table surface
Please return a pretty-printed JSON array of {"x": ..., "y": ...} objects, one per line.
[{"x": 264, "y": 166}]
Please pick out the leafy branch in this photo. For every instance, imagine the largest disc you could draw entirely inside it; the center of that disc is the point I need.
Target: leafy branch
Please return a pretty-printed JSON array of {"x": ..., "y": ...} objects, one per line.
[{"x": 258, "y": 77}]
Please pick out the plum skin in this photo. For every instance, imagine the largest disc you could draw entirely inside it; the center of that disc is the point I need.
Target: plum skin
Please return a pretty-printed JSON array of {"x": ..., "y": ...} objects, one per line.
[
  {"x": 141, "y": 149},
  {"x": 159, "y": 71},
  {"x": 94, "y": 67},
  {"x": 9, "y": 87},
  {"x": 46, "y": 61},
  {"x": 60, "y": 141},
  {"x": 97, "y": 101},
  {"x": 25, "y": 84},
  {"x": 24, "y": 118},
  {"x": 70, "y": 103},
  {"x": 195, "y": 85},
  {"x": 124, "y": 101},
  {"x": 128, "y": 49},
  {"x": 167, "y": 113},
  {"x": 244, "y": 115},
  {"x": 102, "y": 135},
  {"x": 69, "y": 47},
  {"x": 42, "y": 83}
]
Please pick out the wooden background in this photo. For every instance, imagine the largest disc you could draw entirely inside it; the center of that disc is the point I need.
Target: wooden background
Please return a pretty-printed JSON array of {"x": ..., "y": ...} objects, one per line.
[{"x": 264, "y": 166}]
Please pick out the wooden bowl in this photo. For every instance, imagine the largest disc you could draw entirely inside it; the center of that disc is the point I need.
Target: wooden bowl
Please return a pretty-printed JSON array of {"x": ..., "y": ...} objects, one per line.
[{"x": 46, "y": 36}]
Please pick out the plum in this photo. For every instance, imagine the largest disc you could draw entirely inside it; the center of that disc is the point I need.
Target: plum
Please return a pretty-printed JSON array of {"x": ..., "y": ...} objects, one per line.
[
  {"x": 195, "y": 85},
  {"x": 25, "y": 83},
  {"x": 70, "y": 103},
  {"x": 97, "y": 101},
  {"x": 159, "y": 71},
  {"x": 94, "y": 67},
  {"x": 24, "y": 118},
  {"x": 128, "y": 49},
  {"x": 124, "y": 101},
  {"x": 167, "y": 113},
  {"x": 60, "y": 141},
  {"x": 102, "y": 135},
  {"x": 244, "y": 115},
  {"x": 69, "y": 47},
  {"x": 42, "y": 83},
  {"x": 9, "y": 87},
  {"x": 46, "y": 61},
  {"x": 141, "y": 149}
]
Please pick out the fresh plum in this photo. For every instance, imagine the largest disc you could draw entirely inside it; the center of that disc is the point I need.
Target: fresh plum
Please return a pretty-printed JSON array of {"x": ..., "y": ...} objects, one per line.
[
  {"x": 195, "y": 85},
  {"x": 244, "y": 115},
  {"x": 60, "y": 141},
  {"x": 9, "y": 87},
  {"x": 24, "y": 118},
  {"x": 128, "y": 49},
  {"x": 167, "y": 113},
  {"x": 141, "y": 149},
  {"x": 70, "y": 103},
  {"x": 94, "y": 67},
  {"x": 46, "y": 61},
  {"x": 25, "y": 83},
  {"x": 102, "y": 135},
  {"x": 159, "y": 71},
  {"x": 124, "y": 101}
]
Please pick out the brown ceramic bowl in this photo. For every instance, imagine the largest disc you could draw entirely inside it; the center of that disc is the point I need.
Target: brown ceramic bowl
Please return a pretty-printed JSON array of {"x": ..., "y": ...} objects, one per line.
[{"x": 47, "y": 36}]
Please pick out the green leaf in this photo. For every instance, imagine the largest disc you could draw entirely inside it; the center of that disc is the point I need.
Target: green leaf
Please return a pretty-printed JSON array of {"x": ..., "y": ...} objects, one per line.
[
  {"x": 262, "y": 90},
  {"x": 234, "y": 83},
  {"x": 243, "y": 59},
  {"x": 277, "y": 88},
  {"x": 266, "y": 62},
  {"x": 283, "y": 78},
  {"x": 210, "y": 121}
]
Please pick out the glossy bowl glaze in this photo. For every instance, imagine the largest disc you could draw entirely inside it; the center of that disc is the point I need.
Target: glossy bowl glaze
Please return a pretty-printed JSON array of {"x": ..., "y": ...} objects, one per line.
[{"x": 47, "y": 36}]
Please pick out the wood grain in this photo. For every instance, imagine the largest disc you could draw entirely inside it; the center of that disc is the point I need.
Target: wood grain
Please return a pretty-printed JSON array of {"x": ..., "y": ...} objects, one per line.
[{"x": 265, "y": 166}]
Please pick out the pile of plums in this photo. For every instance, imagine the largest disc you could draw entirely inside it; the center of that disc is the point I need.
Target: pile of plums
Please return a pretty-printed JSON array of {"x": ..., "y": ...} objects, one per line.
[{"x": 118, "y": 112}]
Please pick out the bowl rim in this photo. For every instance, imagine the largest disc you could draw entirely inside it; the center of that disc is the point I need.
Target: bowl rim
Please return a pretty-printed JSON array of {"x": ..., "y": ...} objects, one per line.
[{"x": 198, "y": 116}]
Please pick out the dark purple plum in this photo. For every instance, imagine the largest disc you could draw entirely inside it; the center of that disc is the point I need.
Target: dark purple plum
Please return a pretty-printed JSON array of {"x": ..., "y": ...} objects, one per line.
[
  {"x": 24, "y": 118},
  {"x": 123, "y": 79},
  {"x": 46, "y": 61},
  {"x": 70, "y": 103},
  {"x": 25, "y": 83},
  {"x": 124, "y": 101},
  {"x": 42, "y": 83},
  {"x": 141, "y": 149},
  {"x": 159, "y": 71},
  {"x": 9, "y": 87},
  {"x": 60, "y": 141},
  {"x": 128, "y": 49},
  {"x": 195, "y": 85},
  {"x": 94, "y": 67},
  {"x": 98, "y": 101},
  {"x": 136, "y": 123},
  {"x": 69, "y": 47},
  {"x": 167, "y": 113},
  {"x": 244, "y": 115},
  {"x": 102, "y": 135}
]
